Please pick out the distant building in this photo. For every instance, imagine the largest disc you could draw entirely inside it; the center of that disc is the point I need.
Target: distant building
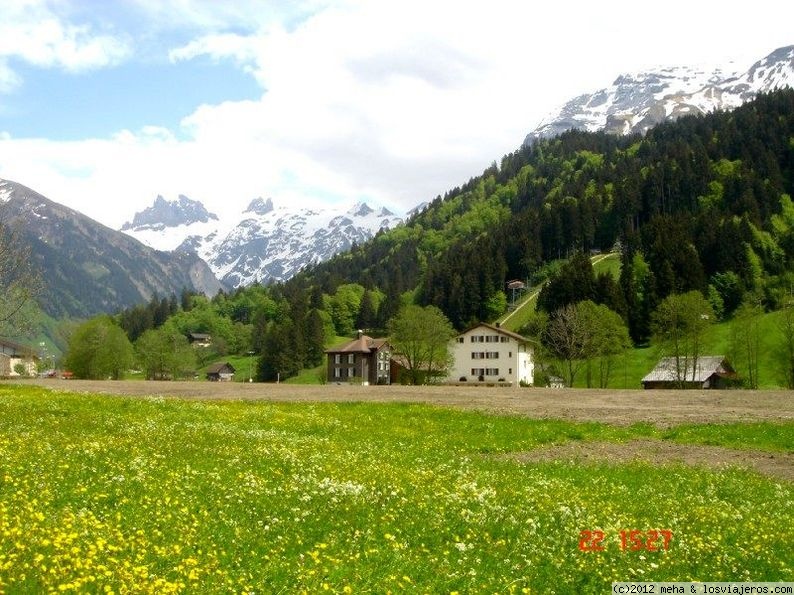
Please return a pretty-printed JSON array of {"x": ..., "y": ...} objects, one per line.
[
  {"x": 12, "y": 355},
  {"x": 555, "y": 382},
  {"x": 364, "y": 360},
  {"x": 199, "y": 339},
  {"x": 222, "y": 372},
  {"x": 712, "y": 371},
  {"x": 488, "y": 353}
]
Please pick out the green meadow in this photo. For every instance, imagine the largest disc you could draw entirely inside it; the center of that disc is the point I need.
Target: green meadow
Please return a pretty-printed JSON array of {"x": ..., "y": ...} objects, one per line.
[{"x": 104, "y": 494}]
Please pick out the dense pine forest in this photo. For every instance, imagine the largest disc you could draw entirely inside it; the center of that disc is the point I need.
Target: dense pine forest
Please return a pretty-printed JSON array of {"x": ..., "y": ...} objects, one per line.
[{"x": 701, "y": 205}]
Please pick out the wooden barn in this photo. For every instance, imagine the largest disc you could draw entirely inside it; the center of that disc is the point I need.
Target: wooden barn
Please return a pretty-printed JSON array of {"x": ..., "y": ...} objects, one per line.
[{"x": 711, "y": 371}]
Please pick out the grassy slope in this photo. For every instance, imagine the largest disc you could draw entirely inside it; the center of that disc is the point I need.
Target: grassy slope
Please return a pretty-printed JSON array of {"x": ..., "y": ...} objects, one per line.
[
  {"x": 636, "y": 363},
  {"x": 631, "y": 368},
  {"x": 609, "y": 263},
  {"x": 161, "y": 496}
]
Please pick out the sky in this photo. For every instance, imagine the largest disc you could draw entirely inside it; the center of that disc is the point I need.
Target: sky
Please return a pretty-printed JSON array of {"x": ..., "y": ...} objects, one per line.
[{"x": 105, "y": 104}]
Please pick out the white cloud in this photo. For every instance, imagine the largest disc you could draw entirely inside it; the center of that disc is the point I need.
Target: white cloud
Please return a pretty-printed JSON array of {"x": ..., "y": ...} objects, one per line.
[
  {"x": 242, "y": 49},
  {"x": 9, "y": 80},
  {"x": 390, "y": 101},
  {"x": 34, "y": 34}
]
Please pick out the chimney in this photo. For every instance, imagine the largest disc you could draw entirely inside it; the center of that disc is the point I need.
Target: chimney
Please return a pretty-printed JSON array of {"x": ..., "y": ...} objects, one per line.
[{"x": 498, "y": 324}]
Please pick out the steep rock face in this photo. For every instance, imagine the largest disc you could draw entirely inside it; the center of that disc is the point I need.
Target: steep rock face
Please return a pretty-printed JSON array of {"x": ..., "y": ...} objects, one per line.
[
  {"x": 270, "y": 243},
  {"x": 89, "y": 268},
  {"x": 164, "y": 213},
  {"x": 636, "y": 102}
]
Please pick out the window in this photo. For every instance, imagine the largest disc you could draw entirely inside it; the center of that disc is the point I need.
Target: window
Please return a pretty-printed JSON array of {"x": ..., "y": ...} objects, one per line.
[
  {"x": 510, "y": 354},
  {"x": 477, "y": 355},
  {"x": 337, "y": 372},
  {"x": 461, "y": 339},
  {"x": 351, "y": 358},
  {"x": 492, "y": 372},
  {"x": 351, "y": 372},
  {"x": 509, "y": 370},
  {"x": 492, "y": 355},
  {"x": 337, "y": 359},
  {"x": 477, "y": 339},
  {"x": 478, "y": 371},
  {"x": 504, "y": 339}
]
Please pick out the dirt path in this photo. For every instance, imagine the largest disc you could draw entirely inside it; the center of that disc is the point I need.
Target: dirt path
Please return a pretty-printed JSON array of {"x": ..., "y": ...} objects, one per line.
[
  {"x": 663, "y": 408},
  {"x": 659, "y": 452}
]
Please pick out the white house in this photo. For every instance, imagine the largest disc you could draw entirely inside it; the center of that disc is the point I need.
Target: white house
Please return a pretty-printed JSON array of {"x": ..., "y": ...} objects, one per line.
[
  {"x": 488, "y": 353},
  {"x": 11, "y": 355}
]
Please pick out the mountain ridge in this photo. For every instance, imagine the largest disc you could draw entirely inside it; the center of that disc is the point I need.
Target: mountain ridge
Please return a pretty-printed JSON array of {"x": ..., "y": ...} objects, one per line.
[
  {"x": 635, "y": 102},
  {"x": 88, "y": 268},
  {"x": 268, "y": 242}
]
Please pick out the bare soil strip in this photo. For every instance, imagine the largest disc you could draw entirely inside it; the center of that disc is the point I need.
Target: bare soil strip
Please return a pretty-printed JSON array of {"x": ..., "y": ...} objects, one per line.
[
  {"x": 662, "y": 408},
  {"x": 658, "y": 452}
]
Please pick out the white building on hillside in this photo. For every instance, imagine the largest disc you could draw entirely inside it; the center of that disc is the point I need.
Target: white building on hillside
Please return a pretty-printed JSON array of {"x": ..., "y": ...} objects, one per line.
[{"x": 488, "y": 353}]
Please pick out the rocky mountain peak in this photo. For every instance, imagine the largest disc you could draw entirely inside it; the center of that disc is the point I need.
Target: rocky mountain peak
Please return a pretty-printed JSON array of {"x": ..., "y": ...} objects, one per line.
[
  {"x": 362, "y": 209},
  {"x": 170, "y": 213},
  {"x": 259, "y": 206}
]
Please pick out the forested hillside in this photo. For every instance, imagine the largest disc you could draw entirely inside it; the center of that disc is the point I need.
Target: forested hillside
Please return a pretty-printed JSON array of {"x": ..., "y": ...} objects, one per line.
[{"x": 700, "y": 203}]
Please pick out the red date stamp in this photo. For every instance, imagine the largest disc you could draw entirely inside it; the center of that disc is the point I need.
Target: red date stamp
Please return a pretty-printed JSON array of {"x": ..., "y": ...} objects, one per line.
[{"x": 631, "y": 540}]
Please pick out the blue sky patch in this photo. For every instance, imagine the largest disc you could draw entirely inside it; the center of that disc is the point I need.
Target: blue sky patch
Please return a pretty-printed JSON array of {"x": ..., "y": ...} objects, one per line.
[{"x": 94, "y": 104}]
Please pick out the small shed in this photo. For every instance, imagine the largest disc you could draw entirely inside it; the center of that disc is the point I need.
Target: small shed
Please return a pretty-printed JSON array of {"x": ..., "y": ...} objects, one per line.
[
  {"x": 223, "y": 372},
  {"x": 555, "y": 382},
  {"x": 711, "y": 371},
  {"x": 199, "y": 339}
]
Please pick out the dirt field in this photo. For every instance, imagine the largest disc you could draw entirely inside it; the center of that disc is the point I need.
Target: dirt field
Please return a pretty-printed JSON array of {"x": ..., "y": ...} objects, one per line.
[
  {"x": 623, "y": 407},
  {"x": 660, "y": 452}
]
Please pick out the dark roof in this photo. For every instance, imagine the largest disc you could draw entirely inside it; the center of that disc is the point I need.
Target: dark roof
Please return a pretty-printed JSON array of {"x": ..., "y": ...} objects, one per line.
[
  {"x": 362, "y": 344},
  {"x": 198, "y": 336},
  {"x": 218, "y": 368},
  {"x": 16, "y": 347},
  {"x": 498, "y": 329},
  {"x": 707, "y": 366}
]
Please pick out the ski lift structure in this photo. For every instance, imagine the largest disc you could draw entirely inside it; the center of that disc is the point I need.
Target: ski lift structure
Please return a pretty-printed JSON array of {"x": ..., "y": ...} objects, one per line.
[{"x": 517, "y": 287}]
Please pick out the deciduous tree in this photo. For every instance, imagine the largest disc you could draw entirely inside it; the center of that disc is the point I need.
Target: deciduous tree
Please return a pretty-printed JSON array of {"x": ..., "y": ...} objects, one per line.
[
  {"x": 745, "y": 342},
  {"x": 421, "y": 337},
  {"x": 165, "y": 353},
  {"x": 99, "y": 349},
  {"x": 679, "y": 324}
]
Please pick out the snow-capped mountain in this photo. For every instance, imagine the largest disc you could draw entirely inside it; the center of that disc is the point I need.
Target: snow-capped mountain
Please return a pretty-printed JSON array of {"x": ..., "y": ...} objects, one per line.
[
  {"x": 264, "y": 242},
  {"x": 166, "y": 224},
  {"x": 636, "y": 102}
]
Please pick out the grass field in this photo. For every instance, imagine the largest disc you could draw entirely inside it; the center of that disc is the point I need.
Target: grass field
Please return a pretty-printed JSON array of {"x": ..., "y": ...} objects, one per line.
[{"x": 102, "y": 493}]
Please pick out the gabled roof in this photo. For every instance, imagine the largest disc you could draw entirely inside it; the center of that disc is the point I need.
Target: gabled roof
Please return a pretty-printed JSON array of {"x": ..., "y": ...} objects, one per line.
[
  {"x": 362, "y": 344},
  {"x": 707, "y": 366},
  {"x": 497, "y": 329},
  {"x": 218, "y": 368}
]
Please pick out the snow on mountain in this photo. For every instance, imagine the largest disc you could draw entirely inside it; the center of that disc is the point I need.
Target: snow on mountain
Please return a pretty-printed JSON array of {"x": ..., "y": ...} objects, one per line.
[
  {"x": 636, "y": 102},
  {"x": 6, "y": 190},
  {"x": 266, "y": 242},
  {"x": 166, "y": 224}
]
